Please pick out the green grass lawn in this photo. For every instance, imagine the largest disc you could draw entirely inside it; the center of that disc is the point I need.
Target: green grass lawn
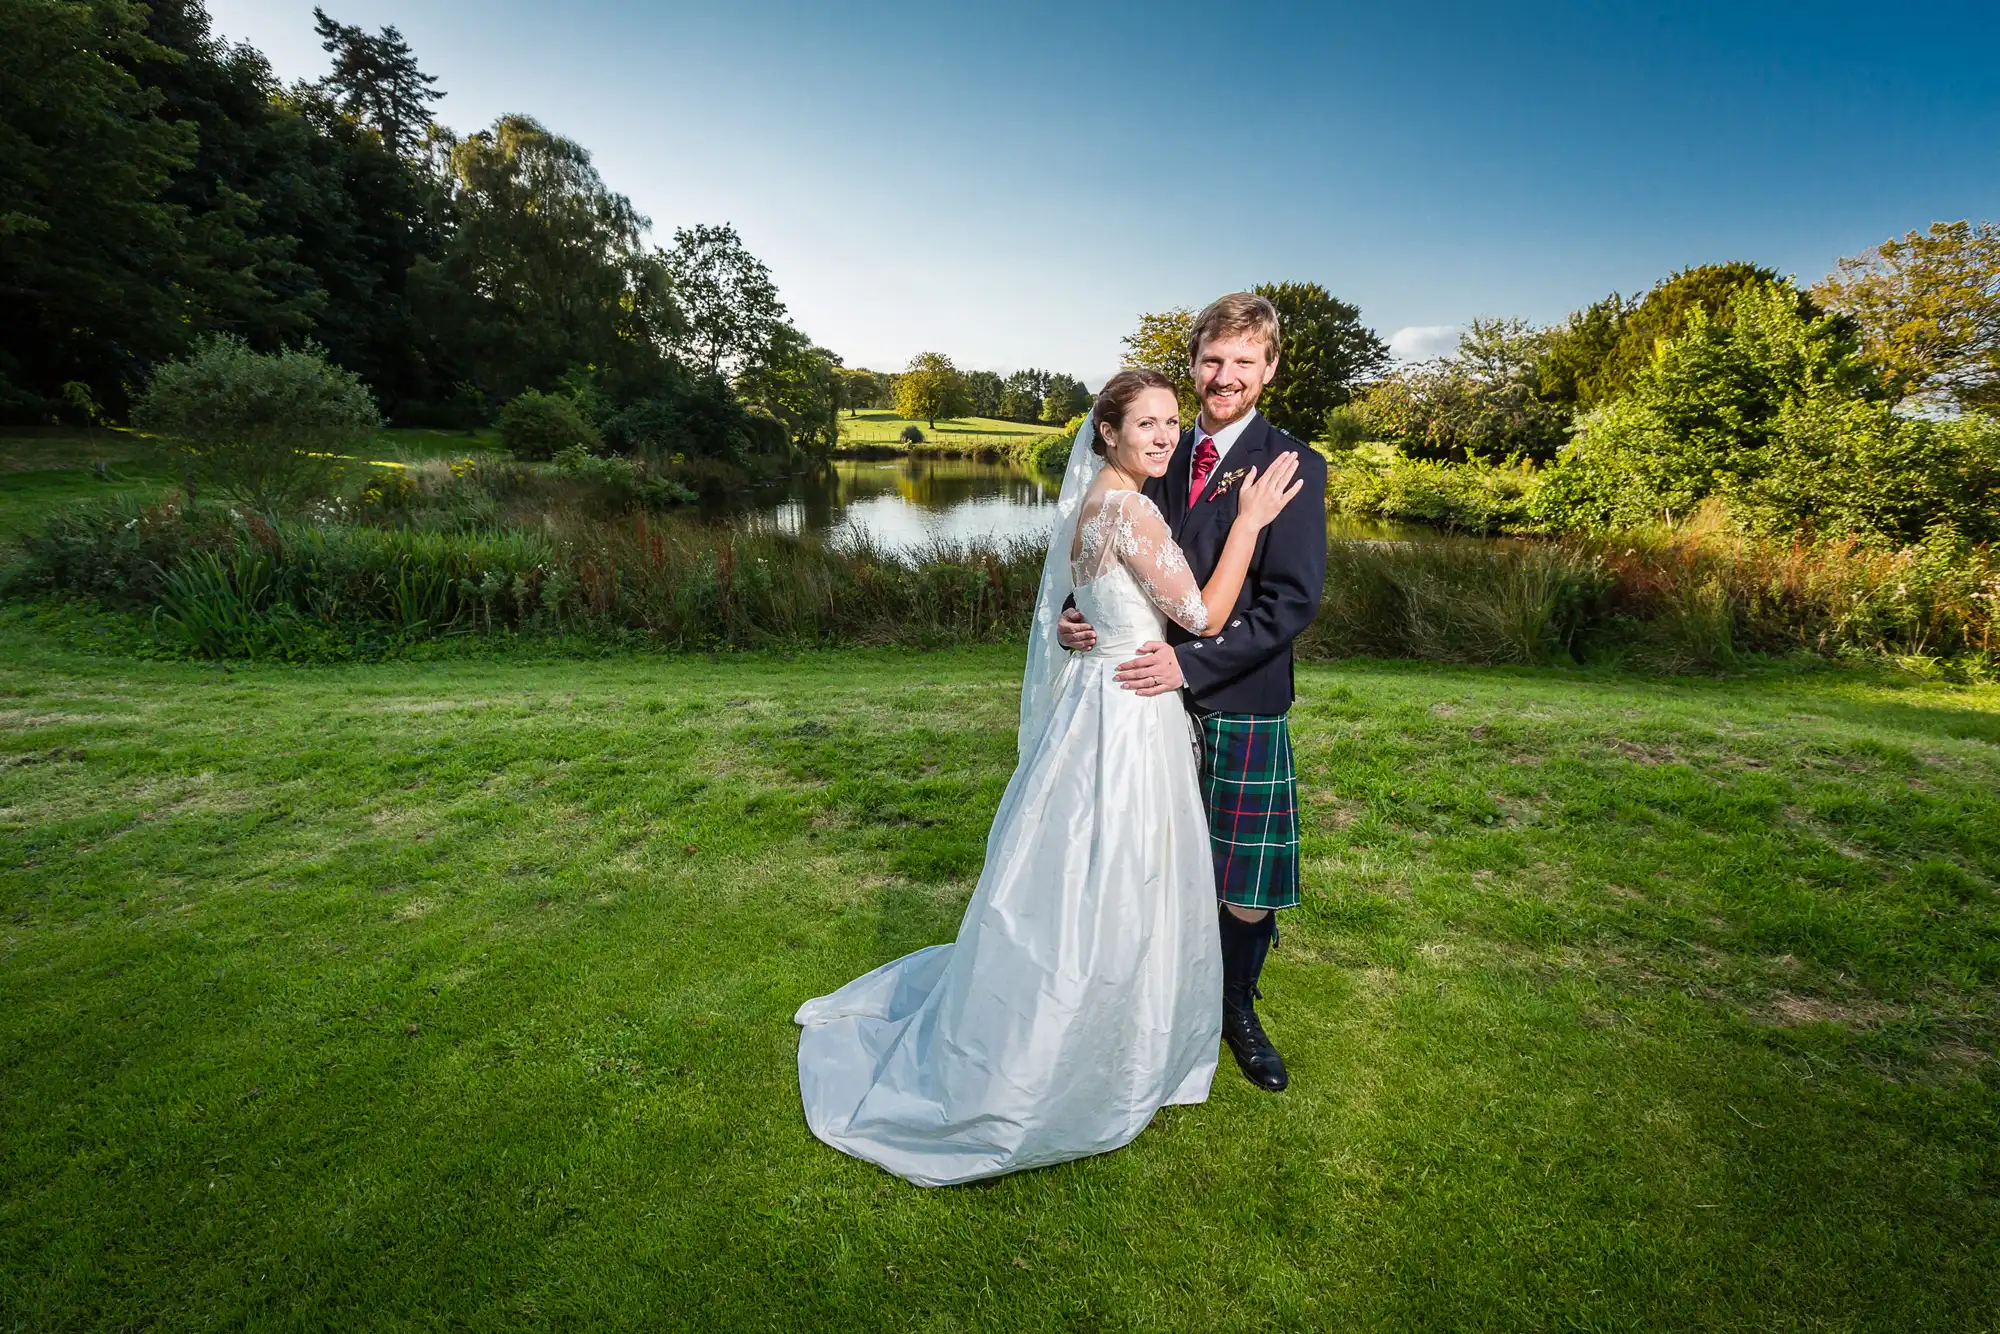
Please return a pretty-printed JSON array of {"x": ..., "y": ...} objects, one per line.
[
  {"x": 877, "y": 426},
  {"x": 458, "y": 995},
  {"x": 43, "y": 468}
]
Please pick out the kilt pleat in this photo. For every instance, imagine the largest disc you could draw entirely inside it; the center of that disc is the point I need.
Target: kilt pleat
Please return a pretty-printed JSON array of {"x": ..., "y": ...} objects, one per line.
[{"x": 1251, "y": 788}]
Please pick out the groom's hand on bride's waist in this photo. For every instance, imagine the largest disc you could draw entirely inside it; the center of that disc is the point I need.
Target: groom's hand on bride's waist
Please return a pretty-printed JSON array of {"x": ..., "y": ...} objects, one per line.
[
  {"x": 1154, "y": 672},
  {"x": 1074, "y": 633}
]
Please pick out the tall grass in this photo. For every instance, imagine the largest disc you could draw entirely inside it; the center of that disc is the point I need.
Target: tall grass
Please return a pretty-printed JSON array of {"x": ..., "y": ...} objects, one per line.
[
  {"x": 1686, "y": 600},
  {"x": 223, "y": 585},
  {"x": 1706, "y": 596},
  {"x": 1455, "y": 601}
]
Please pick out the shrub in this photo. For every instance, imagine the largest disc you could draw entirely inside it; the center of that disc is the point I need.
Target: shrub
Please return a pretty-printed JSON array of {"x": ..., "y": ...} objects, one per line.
[
  {"x": 1379, "y": 481},
  {"x": 1344, "y": 429},
  {"x": 1858, "y": 468},
  {"x": 267, "y": 430},
  {"x": 1045, "y": 453},
  {"x": 695, "y": 417},
  {"x": 912, "y": 434},
  {"x": 389, "y": 490},
  {"x": 1723, "y": 409},
  {"x": 535, "y": 425},
  {"x": 618, "y": 484}
]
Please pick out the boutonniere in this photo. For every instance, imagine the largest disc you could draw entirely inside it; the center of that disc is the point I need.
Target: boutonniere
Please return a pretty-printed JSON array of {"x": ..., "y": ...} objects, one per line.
[{"x": 1219, "y": 488}]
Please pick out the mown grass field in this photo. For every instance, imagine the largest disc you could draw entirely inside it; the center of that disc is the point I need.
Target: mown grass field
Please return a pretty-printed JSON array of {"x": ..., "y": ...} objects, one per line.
[
  {"x": 881, "y": 427},
  {"x": 458, "y": 995}
]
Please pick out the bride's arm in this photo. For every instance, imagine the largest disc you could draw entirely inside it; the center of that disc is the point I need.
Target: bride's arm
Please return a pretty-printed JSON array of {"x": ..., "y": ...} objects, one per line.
[
  {"x": 1142, "y": 541},
  {"x": 1153, "y": 555}
]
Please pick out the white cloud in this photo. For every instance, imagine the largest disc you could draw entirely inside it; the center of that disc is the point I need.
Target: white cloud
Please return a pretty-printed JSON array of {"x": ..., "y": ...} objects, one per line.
[{"x": 1420, "y": 342}]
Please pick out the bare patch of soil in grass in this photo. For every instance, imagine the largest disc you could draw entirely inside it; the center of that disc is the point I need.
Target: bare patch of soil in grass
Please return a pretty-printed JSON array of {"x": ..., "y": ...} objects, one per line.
[
  {"x": 1641, "y": 754},
  {"x": 23, "y": 719},
  {"x": 1789, "y": 1010},
  {"x": 1961, "y": 1053},
  {"x": 1331, "y": 810}
]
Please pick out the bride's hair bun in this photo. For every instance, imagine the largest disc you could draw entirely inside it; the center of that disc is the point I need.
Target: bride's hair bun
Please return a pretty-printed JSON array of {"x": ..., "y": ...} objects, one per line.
[{"x": 1115, "y": 399}]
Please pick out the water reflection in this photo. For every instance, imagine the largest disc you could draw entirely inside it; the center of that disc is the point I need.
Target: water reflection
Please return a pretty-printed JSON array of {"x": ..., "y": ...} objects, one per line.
[{"x": 906, "y": 504}]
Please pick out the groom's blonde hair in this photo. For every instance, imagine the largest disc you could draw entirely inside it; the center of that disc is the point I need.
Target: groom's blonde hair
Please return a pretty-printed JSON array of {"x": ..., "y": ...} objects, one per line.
[{"x": 1237, "y": 313}]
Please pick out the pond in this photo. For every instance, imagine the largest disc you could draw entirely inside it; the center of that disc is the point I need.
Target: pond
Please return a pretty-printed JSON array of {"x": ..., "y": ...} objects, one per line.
[{"x": 905, "y": 504}]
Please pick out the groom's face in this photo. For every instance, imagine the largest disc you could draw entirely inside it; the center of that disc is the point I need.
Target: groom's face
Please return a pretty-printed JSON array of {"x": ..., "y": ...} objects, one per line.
[{"x": 1229, "y": 372}]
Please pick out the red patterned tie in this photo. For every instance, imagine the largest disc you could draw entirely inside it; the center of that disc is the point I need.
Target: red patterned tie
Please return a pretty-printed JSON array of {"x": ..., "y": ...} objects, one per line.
[{"x": 1204, "y": 464}]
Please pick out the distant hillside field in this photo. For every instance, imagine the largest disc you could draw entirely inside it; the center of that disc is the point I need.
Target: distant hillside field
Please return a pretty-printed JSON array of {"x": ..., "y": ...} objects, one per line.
[{"x": 879, "y": 426}]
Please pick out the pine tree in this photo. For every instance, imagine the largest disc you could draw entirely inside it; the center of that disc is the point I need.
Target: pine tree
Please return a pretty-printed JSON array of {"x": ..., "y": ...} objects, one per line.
[{"x": 376, "y": 80}]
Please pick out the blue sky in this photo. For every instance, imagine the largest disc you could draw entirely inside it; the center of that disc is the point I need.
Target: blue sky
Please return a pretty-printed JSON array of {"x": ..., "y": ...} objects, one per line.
[{"x": 1013, "y": 185}]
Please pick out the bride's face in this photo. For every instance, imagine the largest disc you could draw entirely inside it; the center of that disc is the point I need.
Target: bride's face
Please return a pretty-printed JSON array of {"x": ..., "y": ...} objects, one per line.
[{"x": 1144, "y": 445}]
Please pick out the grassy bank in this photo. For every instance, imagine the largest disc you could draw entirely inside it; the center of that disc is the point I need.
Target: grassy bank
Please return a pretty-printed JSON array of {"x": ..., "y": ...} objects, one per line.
[
  {"x": 459, "y": 994},
  {"x": 878, "y": 430},
  {"x": 45, "y": 468},
  {"x": 441, "y": 549}
]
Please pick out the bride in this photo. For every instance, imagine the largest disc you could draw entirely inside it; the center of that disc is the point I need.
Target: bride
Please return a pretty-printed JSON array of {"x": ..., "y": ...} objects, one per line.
[{"x": 1084, "y": 991}]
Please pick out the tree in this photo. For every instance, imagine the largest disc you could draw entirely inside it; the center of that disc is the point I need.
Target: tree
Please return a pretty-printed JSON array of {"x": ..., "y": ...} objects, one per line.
[
  {"x": 375, "y": 79},
  {"x": 1600, "y": 352},
  {"x": 859, "y": 388},
  {"x": 251, "y": 176},
  {"x": 262, "y": 428},
  {"x": 94, "y": 266},
  {"x": 1928, "y": 308},
  {"x": 1066, "y": 398},
  {"x": 1327, "y": 352},
  {"x": 931, "y": 388},
  {"x": 1021, "y": 395},
  {"x": 800, "y": 384},
  {"x": 1704, "y": 416},
  {"x": 1579, "y": 349},
  {"x": 545, "y": 267},
  {"x": 984, "y": 389},
  {"x": 1480, "y": 403},
  {"x": 730, "y": 303},
  {"x": 367, "y": 220},
  {"x": 535, "y": 425},
  {"x": 1160, "y": 343}
]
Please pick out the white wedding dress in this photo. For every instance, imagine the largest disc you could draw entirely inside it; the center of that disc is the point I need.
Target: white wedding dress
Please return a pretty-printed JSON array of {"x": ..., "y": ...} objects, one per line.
[{"x": 1084, "y": 991}]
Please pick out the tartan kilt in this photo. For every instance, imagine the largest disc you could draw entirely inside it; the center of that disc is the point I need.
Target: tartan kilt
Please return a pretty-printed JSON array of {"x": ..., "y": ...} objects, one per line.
[{"x": 1251, "y": 790}]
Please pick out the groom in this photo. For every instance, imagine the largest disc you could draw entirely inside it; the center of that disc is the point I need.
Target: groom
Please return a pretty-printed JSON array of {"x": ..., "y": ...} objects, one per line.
[{"x": 1237, "y": 682}]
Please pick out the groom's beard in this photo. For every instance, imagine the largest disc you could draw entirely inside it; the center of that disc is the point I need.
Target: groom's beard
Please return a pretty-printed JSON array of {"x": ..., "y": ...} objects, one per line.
[{"x": 1206, "y": 421}]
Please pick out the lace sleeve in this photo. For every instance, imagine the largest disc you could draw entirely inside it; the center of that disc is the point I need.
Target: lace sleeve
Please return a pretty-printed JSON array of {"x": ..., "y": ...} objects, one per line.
[{"x": 1154, "y": 558}]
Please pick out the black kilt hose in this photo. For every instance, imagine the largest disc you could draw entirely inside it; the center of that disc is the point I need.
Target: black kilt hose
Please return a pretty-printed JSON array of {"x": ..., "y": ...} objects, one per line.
[{"x": 1239, "y": 679}]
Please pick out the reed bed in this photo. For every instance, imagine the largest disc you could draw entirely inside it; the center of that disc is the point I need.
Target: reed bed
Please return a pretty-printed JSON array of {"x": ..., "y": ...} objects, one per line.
[
  {"x": 227, "y": 585},
  {"x": 220, "y": 584}
]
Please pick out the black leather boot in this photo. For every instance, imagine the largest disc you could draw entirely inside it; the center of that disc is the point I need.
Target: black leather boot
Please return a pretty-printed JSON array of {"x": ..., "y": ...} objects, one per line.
[{"x": 1244, "y": 945}]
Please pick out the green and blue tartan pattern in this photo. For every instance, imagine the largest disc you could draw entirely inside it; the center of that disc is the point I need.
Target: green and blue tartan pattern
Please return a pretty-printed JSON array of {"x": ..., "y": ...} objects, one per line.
[{"x": 1251, "y": 789}]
